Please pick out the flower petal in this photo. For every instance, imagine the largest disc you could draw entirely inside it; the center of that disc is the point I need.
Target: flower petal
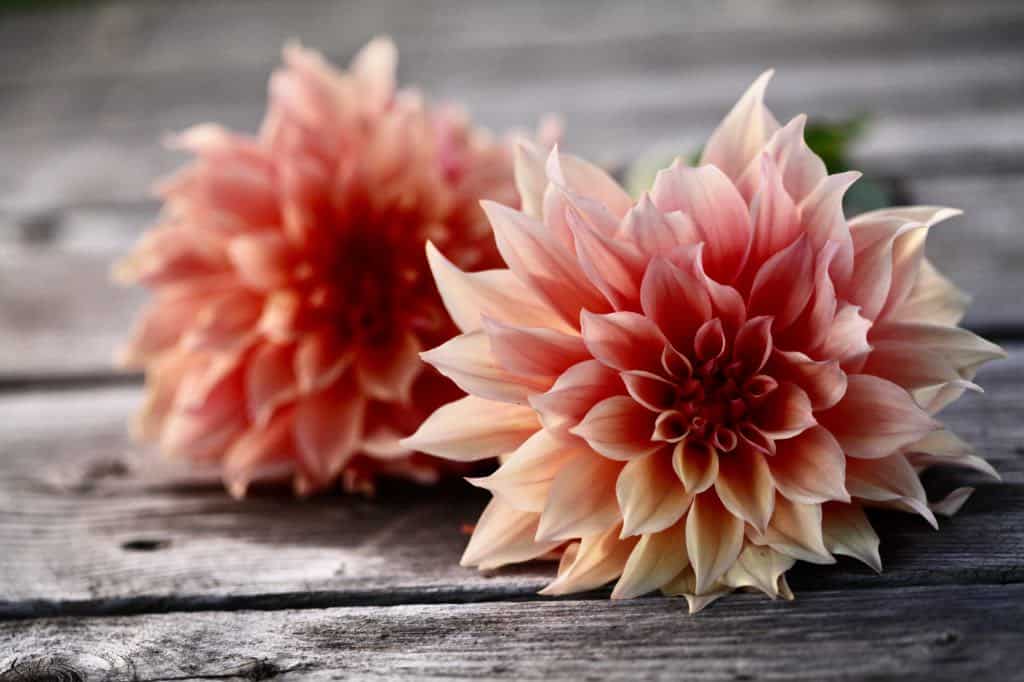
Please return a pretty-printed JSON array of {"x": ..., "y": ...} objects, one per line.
[
  {"x": 876, "y": 418},
  {"x": 714, "y": 538},
  {"x": 795, "y": 530},
  {"x": 525, "y": 478},
  {"x": 696, "y": 465},
  {"x": 573, "y": 394},
  {"x": 582, "y": 500},
  {"x": 654, "y": 562},
  {"x": 824, "y": 381},
  {"x": 783, "y": 286},
  {"x": 496, "y": 293},
  {"x": 785, "y": 412},
  {"x": 889, "y": 481},
  {"x": 387, "y": 371},
  {"x": 717, "y": 210},
  {"x": 810, "y": 468},
  {"x": 329, "y": 428},
  {"x": 847, "y": 531},
  {"x": 543, "y": 264},
  {"x": 504, "y": 535},
  {"x": 623, "y": 340},
  {"x": 270, "y": 380},
  {"x": 597, "y": 560},
  {"x": 650, "y": 495},
  {"x": 675, "y": 301},
  {"x": 654, "y": 232},
  {"x": 467, "y": 360},
  {"x": 743, "y": 132},
  {"x": 618, "y": 428},
  {"x": 472, "y": 428},
  {"x": 745, "y": 486},
  {"x": 534, "y": 350}
]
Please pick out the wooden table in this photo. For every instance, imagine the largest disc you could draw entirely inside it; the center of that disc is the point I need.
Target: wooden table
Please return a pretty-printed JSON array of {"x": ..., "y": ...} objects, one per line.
[{"x": 115, "y": 565}]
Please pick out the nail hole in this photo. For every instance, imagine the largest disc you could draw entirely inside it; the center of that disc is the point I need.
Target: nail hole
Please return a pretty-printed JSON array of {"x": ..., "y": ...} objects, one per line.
[{"x": 144, "y": 545}]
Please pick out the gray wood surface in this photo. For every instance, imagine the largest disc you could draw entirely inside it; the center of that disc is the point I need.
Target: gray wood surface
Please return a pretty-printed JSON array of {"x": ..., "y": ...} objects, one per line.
[
  {"x": 933, "y": 633},
  {"x": 117, "y": 564}
]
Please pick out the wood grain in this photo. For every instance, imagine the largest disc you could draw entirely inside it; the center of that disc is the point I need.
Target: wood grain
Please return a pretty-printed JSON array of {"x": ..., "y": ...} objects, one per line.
[
  {"x": 108, "y": 84},
  {"x": 91, "y": 524},
  {"x": 854, "y": 634}
]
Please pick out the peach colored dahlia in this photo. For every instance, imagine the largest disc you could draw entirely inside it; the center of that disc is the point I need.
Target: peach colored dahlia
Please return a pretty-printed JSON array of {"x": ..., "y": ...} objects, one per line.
[
  {"x": 691, "y": 392},
  {"x": 291, "y": 291}
]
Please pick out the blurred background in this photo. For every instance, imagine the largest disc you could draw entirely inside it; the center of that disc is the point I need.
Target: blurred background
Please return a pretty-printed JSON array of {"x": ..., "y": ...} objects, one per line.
[{"x": 88, "y": 89}]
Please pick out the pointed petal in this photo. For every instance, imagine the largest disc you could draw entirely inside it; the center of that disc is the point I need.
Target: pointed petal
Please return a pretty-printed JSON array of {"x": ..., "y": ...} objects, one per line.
[
  {"x": 387, "y": 371},
  {"x": 848, "y": 336},
  {"x": 876, "y": 418},
  {"x": 785, "y": 412},
  {"x": 821, "y": 213},
  {"x": 675, "y": 301},
  {"x": 743, "y": 132},
  {"x": 582, "y": 500},
  {"x": 802, "y": 170},
  {"x": 496, "y": 293},
  {"x": 650, "y": 495},
  {"x": 531, "y": 178},
  {"x": 783, "y": 286},
  {"x": 320, "y": 358},
  {"x": 717, "y": 210},
  {"x": 745, "y": 486},
  {"x": 598, "y": 560},
  {"x": 696, "y": 465},
  {"x": 762, "y": 568},
  {"x": 573, "y": 394},
  {"x": 524, "y": 479},
  {"x": 472, "y": 428},
  {"x": 847, "y": 531},
  {"x": 655, "y": 233},
  {"x": 587, "y": 179},
  {"x": 270, "y": 380},
  {"x": 714, "y": 538},
  {"x": 776, "y": 219},
  {"x": 889, "y": 481},
  {"x": 615, "y": 267},
  {"x": 795, "y": 530},
  {"x": 504, "y": 535},
  {"x": 824, "y": 381},
  {"x": 654, "y": 562},
  {"x": 543, "y": 264},
  {"x": 534, "y": 350},
  {"x": 329, "y": 428},
  {"x": 467, "y": 360},
  {"x": 623, "y": 340},
  {"x": 618, "y": 428},
  {"x": 810, "y": 468},
  {"x": 933, "y": 298}
]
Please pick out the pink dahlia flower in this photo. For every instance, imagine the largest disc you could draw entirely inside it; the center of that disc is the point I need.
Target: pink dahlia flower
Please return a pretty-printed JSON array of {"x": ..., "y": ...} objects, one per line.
[
  {"x": 292, "y": 296},
  {"x": 693, "y": 391}
]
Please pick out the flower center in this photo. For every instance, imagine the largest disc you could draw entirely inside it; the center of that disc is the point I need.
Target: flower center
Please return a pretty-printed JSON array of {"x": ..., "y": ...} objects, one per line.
[{"x": 710, "y": 398}]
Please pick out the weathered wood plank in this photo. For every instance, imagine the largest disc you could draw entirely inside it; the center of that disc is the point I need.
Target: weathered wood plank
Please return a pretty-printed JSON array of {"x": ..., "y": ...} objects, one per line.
[
  {"x": 613, "y": 111},
  {"x": 91, "y": 524},
  {"x": 118, "y": 38},
  {"x": 626, "y": 79},
  {"x": 854, "y": 634}
]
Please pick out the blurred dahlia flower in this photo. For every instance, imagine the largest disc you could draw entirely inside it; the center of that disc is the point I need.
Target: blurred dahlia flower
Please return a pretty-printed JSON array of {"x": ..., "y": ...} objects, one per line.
[
  {"x": 693, "y": 391},
  {"x": 291, "y": 291}
]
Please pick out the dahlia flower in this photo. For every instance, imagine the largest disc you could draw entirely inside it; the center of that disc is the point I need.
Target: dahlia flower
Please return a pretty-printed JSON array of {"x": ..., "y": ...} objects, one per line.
[
  {"x": 291, "y": 291},
  {"x": 692, "y": 391}
]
